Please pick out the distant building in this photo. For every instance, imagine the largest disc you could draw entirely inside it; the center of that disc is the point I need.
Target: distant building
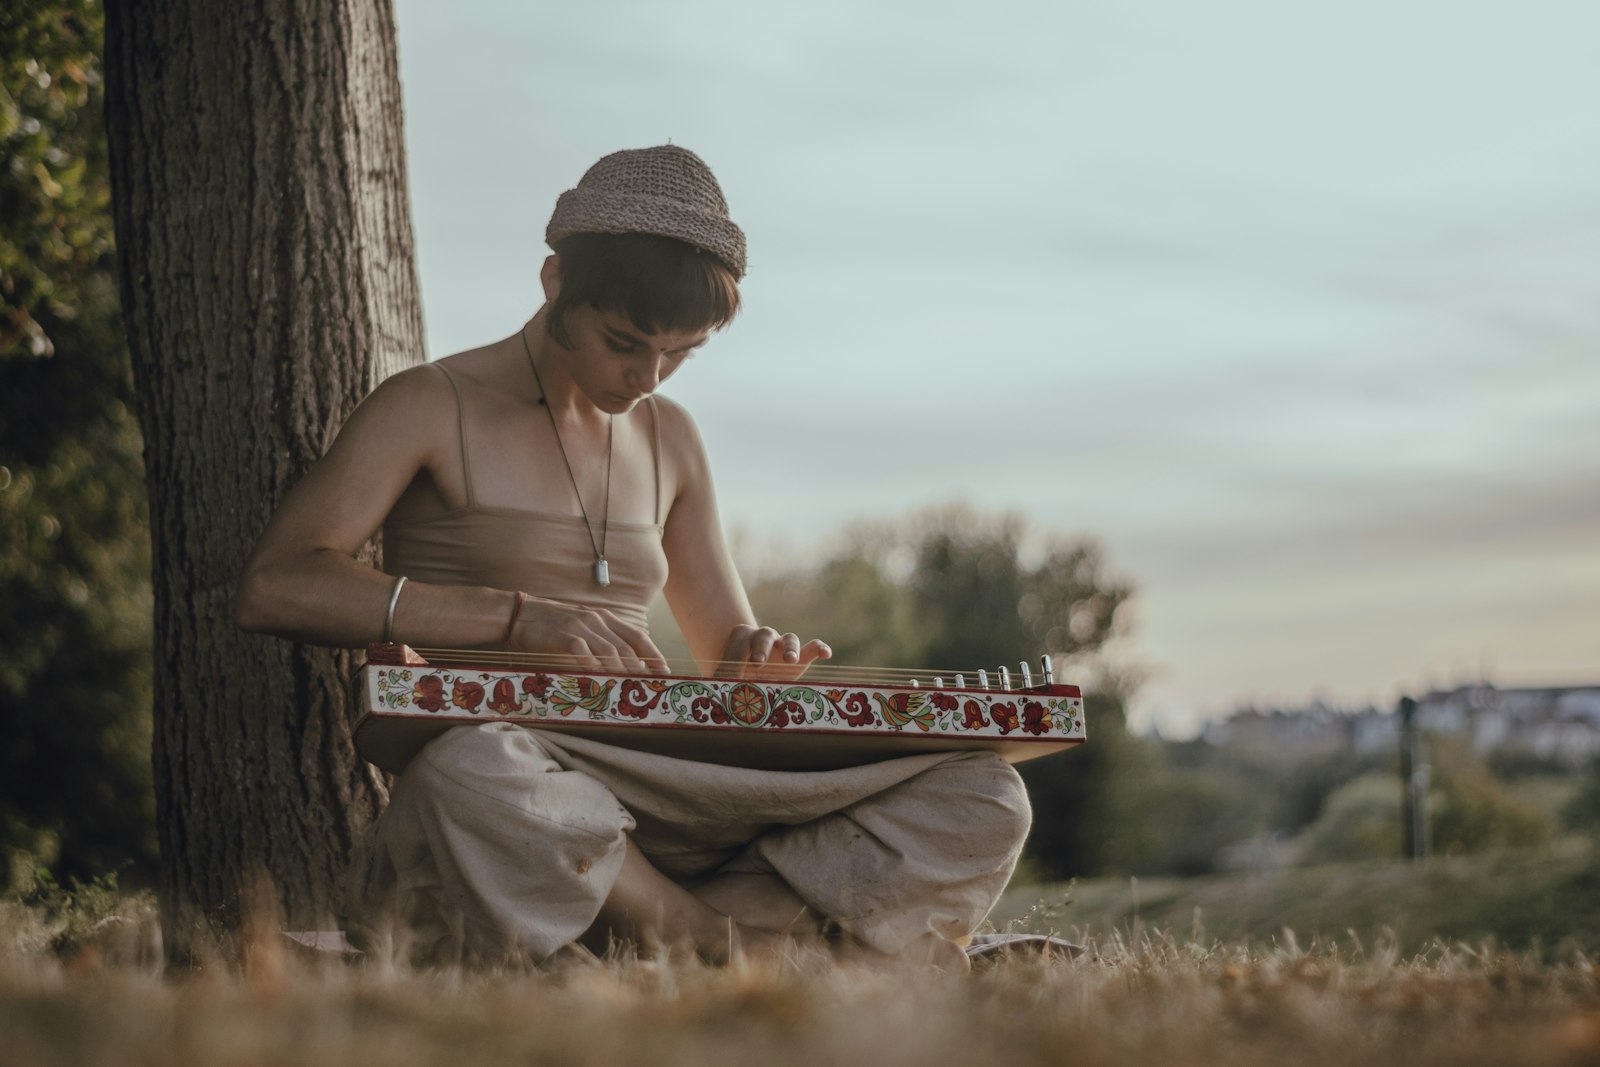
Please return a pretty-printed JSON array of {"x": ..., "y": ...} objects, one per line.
[
  {"x": 1556, "y": 723},
  {"x": 1561, "y": 724},
  {"x": 1315, "y": 730}
]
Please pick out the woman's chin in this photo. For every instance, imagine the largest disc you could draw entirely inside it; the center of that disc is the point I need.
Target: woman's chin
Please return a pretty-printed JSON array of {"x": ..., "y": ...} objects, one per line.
[{"x": 617, "y": 404}]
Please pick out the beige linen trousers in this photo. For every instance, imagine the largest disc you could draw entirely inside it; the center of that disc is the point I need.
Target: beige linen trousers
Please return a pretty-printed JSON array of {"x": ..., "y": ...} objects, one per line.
[{"x": 501, "y": 840}]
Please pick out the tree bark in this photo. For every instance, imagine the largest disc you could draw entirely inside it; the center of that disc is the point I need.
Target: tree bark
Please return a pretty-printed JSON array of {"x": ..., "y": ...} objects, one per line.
[{"x": 268, "y": 283}]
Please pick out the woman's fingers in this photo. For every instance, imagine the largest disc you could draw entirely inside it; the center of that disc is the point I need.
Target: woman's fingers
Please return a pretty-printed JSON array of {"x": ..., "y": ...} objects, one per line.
[
  {"x": 640, "y": 653},
  {"x": 762, "y": 652},
  {"x": 593, "y": 637},
  {"x": 761, "y": 644},
  {"x": 735, "y": 651},
  {"x": 610, "y": 657}
]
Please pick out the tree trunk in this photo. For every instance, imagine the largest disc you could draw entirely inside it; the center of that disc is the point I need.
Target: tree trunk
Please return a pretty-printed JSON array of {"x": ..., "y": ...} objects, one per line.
[{"x": 268, "y": 283}]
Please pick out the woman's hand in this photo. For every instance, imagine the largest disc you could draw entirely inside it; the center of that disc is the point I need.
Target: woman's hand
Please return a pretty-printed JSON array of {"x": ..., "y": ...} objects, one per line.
[
  {"x": 594, "y": 637},
  {"x": 762, "y": 652}
]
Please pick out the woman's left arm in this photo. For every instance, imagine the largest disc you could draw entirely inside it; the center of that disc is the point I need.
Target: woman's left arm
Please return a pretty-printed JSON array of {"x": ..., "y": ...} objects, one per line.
[{"x": 703, "y": 587}]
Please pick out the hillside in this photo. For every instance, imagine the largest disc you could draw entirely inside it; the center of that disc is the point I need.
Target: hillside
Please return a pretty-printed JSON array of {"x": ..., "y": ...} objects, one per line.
[{"x": 1547, "y": 898}]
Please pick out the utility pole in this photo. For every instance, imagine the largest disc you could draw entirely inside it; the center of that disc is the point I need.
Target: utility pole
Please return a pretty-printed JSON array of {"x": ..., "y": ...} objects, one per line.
[{"x": 1414, "y": 779}]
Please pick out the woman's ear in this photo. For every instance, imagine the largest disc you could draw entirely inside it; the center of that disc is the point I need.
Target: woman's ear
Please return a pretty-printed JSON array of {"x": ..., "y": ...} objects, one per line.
[{"x": 550, "y": 277}]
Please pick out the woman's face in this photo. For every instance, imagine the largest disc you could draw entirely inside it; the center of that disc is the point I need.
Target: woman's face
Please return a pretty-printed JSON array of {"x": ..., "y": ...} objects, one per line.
[{"x": 615, "y": 363}]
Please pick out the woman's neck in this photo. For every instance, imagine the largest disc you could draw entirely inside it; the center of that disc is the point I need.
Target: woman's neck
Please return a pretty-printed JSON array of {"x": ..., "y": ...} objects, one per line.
[{"x": 550, "y": 371}]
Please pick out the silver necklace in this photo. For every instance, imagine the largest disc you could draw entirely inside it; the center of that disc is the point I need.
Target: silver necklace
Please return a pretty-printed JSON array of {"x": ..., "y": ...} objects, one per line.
[{"x": 602, "y": 570}]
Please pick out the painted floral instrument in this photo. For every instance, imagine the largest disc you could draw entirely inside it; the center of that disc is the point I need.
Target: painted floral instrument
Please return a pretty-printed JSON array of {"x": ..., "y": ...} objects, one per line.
[{"x": 831, "y": 717}]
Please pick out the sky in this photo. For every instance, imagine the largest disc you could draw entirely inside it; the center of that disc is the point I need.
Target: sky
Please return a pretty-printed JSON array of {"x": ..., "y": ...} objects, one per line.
[{"x": 1294, "y": 308}]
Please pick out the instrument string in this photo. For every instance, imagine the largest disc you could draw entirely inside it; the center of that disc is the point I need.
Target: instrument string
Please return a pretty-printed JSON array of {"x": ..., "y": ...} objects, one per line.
[{"x": 817, "y": 672}]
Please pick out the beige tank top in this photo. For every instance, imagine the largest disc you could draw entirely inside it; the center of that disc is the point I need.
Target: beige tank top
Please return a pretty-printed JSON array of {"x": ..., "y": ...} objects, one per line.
[{"x": 540, "y": 553}]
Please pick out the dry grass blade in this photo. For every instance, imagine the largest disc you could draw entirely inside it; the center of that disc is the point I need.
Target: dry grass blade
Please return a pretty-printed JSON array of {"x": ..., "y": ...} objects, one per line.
[{"x": 1145, "y": 997}]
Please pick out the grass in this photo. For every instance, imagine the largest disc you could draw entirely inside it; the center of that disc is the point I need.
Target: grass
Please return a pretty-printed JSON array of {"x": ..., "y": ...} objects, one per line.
[
  {"x": 80, "y": 984},
  {"x": 1545, "y": 900}
]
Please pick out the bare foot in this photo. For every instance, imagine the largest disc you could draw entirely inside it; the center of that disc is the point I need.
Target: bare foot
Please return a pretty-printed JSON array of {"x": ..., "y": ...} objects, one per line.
[
  {"x": 763, "y": 901},
  {"x": 648, "y": 908}
]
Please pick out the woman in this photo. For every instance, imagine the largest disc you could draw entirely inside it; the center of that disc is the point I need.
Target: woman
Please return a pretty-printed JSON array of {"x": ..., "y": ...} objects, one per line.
[{"x": 536, "y": 495}]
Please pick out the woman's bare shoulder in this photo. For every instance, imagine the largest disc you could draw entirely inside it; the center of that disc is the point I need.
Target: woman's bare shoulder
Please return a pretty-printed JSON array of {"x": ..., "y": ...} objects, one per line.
[
  {"x": 677, "y": 425},
  {"x": 680, "y": 437},
  {"x": 415, "y": 387},
  {"x": 492, "y": 376},
  {"x": 405, "y": 417}
]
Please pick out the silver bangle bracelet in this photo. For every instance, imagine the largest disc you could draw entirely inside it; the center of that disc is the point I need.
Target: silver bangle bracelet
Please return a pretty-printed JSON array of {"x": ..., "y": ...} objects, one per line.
[{"x": 388, "y": 620}]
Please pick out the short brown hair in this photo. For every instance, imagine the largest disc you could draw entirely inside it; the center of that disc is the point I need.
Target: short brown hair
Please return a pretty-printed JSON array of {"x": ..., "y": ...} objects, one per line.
[{"x": 660, "y": 283}]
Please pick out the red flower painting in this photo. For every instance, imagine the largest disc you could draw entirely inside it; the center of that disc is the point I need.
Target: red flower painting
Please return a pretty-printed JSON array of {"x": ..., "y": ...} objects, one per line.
[
  {"x": 504, "y": 700},
  {"x": 466, "y": 695},
  {"x": 1035, "y": 718},
  {"x": 1004, "y": 716},
  {"x": 639, "y": 699},
  {"x": 429, "y": 693},
  {"x": 537, "y": 685},
  {"x": 857, "y": 711},
  {"x": 972, "y": 715}
]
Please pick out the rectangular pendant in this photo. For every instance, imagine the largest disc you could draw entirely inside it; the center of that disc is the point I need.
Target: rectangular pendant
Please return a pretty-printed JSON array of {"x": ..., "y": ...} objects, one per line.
[{"x": 602, "y": 572}]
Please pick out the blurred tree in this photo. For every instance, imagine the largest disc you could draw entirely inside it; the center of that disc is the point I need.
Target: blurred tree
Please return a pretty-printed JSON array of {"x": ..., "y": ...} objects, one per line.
[
  {"x": 1582, "y": 812},
  {"x": 1473, "y": 810},
  {"x": 268, "y": 283},
  {"x": 1091, "y": 806},
  {"x": 850, "y": 602},
  {"x": 951, "y": 588},
  {"x": 1360, "y": 820},
  {"x": 1295, "y": 784},
  {"x": 980, "y": 603},
  {"x": 75, "y": 793}
]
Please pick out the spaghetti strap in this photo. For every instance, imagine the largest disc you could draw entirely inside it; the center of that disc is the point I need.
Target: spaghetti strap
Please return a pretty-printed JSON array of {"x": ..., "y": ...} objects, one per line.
[
  {"x": 655, "y": 424},
  {"x": 461, "y": 424}
]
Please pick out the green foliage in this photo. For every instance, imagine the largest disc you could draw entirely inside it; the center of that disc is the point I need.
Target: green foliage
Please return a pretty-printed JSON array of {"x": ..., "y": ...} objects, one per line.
[
  {"x": 1470, "y": 810},
  {"x": 979, "y": 603},
  {"x": 1359, "y": 821},
  {"x": 1088, "y": 803},
  {"x": 1182, "y": 823},
  {"x": 1545, "y": 899},
  {"x": 54, "y": 193},
  {"x": 1474, "y": 812},
  {"x": 85, "y": 903},
  {"x": 852, "y": 603},
  {"x": 954, "y": 589},
  {"x": 1582, "y": 812},
  {"x": 949, "y": 588},
  {"x": 75, "y": 682}
]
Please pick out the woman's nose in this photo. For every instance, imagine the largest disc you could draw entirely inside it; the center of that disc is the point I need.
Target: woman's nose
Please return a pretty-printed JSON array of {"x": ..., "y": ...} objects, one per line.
[{"x": 647, "y": 376}]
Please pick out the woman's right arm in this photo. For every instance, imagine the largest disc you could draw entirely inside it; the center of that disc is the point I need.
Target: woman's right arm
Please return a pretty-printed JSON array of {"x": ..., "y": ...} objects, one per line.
[{"x": 303, "y": 580}]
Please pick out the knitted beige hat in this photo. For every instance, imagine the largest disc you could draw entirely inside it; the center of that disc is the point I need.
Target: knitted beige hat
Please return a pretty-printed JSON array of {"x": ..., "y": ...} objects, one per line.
[{"x": 667, "y": 191}]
